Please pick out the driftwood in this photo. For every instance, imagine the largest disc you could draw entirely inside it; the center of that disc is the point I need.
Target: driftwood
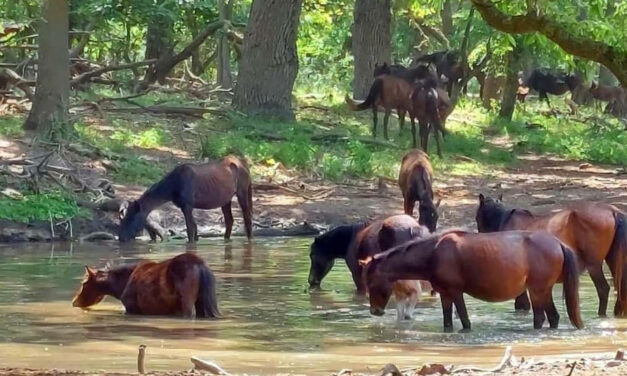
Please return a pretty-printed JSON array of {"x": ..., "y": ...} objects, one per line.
[
  {"x": 140, "y": 359},
  {"x": 203, "y": 365},
  {"x": 505, "y": 361}
]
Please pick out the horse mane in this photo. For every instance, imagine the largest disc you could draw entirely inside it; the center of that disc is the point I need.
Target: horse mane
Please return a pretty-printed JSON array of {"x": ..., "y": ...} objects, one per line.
[{"x": 432, "y": 238}]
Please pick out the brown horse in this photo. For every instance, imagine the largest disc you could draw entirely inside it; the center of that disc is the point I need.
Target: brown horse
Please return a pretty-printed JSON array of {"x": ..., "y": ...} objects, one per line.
[
  {"x": 490, "y": 267},
  {"x": 431, "y": 107},
  {"x": 180, "y": 286},
  {"x": 206, "y": 186},
  {"x": 615, "y": 96},
  {"x": 415, "y": 180},
  {"x": 595, "y": 232},
  {"x": 391, "y": 93}
]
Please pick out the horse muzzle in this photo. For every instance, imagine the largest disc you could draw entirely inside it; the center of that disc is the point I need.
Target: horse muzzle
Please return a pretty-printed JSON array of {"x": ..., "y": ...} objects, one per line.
[{"x": 377, "y": 311}]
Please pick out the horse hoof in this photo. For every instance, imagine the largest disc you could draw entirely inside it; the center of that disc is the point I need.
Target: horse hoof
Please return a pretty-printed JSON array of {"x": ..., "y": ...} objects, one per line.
[
  {"x": 465, "y": 330},
  {"x": 448, "y": 329}
]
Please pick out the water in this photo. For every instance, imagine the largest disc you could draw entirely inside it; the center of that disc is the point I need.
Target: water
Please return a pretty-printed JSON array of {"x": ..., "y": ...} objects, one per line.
[{"x": 272, "y": 324}]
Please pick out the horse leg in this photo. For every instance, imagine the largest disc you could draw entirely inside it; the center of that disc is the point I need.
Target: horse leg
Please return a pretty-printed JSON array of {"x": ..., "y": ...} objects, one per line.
[
  {"x": 438, "y": 140},
  {"x": 612, "y": 259},
  {"x": 551, "y": 312},
  {"x": 522, "y": 302},
  {"x": 538, "y": 304},
  {"x": 386, "y": 118},
  {"x": 374, "y": 121},
  {"x": 460, "y": 307},
  {"x": 401, "y": 121},
  {"x": 602, "y": 287},
  {"x": 411, "y": 302},
  {"x": 228, "y": 220},
  {"x": 400, "y": 309},
  {"x": 413, "y": 131},
  {"x": 424, "y": 136},
  {"x": 190, "y": 223},
  {"x": 447, "y": 312},
  {"x": 245, "y": 203}
]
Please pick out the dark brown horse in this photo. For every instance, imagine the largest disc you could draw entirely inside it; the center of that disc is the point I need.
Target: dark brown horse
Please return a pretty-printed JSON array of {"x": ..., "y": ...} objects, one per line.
[
  {"x": 430, "y": 106},
  {"x": 350, "y": 242},
  {"x": 615, "y": 96},
  {"x": 415, "y": 180},
  {"x": 390, "y": 93},
  {"x": 595, "y": 232},
  {"x": 490, "y": 267},
  {"x": 180, "y": 286},
  {"x": 205, "y": 186},
  {"x": 447, "y": 64},
  {"x": 545, "y": 82}
]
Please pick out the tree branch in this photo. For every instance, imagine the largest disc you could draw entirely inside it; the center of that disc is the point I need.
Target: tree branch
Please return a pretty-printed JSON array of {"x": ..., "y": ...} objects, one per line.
[
  {"x": 534, "y": 21},
  {"x": 87, "y": 75}
]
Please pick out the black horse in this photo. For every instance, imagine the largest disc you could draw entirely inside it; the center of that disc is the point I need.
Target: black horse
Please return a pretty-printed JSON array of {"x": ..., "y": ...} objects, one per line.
[
  {"x": 556, "y": 83},
  {"x": 447, "y": 64}
]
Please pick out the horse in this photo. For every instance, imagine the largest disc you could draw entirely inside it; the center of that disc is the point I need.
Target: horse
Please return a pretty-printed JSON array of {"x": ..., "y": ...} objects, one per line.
[
  {"x": 595, "y": 232},
  {"x": 204, "y": 186},
  {"x": 180, "y": 286},
  {"x": 415, "y": 181},
  {"x": 391, "y": 93},
  {"x": 551, "y": 83},
  {"x": 430, "y": 106},
  {"x": 447, "y": 64},
  {"x": 615, "y": 96},
  {"x": 491, "y": 267},
  {"x": 385, "y": 68}
]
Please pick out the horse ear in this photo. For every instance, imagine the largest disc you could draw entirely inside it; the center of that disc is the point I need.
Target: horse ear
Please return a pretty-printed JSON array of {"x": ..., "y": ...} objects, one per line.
[
  {"x": 90, "y": 272},
  {"x": 481, "y": 198},
  {"x": 501, "y": 197}
]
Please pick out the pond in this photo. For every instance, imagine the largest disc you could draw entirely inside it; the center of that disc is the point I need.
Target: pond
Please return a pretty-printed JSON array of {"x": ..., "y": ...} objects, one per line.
[{"x": 272, "y": 324}]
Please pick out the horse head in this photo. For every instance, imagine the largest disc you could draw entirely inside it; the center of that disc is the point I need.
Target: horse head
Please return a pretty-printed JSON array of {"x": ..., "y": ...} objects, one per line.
[
  {"x": 132, "y": 223},
  {"x": 91, "y": 290},
  {"x": 321, "y": 262},
  {"x": 379, "y": 287},
  {"x": 489, "y": 213},
  {"x": 429, "y": 214}
]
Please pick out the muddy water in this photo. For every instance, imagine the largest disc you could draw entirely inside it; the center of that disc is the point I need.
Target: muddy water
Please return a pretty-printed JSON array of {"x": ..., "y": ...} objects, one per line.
[{"x": 272, "y": 324}]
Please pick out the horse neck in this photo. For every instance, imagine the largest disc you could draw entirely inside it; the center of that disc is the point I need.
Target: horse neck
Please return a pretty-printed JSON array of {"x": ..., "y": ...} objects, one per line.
[
  {"x": 157, "y": 195},
  {"x": 118, "y": 279},
  {"x": 410, "y": 263}
]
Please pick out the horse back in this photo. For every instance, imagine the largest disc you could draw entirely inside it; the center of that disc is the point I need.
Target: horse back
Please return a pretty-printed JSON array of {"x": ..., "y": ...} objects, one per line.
[
  {"x": 396, "y": 92},
  {"x": 415, "y": 169}
]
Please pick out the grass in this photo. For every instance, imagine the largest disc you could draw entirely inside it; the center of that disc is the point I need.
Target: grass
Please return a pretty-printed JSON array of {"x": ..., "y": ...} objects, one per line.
[
  {"x": 11, "y": 126},
  {"x": 40, "y": 207}
]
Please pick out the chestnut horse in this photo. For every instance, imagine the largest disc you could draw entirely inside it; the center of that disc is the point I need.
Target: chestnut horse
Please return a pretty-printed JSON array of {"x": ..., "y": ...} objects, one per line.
[
  {"x": 595, "y": 232},
  {"x": 343, "y": 242},
  {"x": 490, "y": 267},
  {"x": 389, "y": 92},
  {"x": 188, "y": 186},
  {"x": 180, "y": 286},
  {"x": 415, "y": 180}
]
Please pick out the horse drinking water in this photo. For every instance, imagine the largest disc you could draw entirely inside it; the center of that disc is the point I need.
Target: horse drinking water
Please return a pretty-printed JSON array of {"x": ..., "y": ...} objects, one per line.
[
  {"x": 180, "y": 286},
  {"x": 595, "y": 232},
  {"x": 490, "y": 267},
  {"x": 188, "y": 186}
]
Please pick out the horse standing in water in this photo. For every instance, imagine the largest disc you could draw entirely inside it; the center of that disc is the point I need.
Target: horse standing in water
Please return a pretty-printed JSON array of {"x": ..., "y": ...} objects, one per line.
[
  {"x": 205, "y": 186},
  {"x": 490, "y": 267},
  {"x": 595, "y": 232},
  {"x": 352, "y": 242},
  {"x": 180, "y": 286},
  {"x": 415, "y": 180}
]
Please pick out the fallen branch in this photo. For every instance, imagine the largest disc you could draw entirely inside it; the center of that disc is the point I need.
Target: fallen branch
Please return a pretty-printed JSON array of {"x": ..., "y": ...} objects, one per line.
[
  {"x": 98, "y": 235},
  {"x": 204, "y": 365},
  {"x": 505, "y": 361},
  {"x": 188, "y": 111},
  {"x": 87, "y": 75}
]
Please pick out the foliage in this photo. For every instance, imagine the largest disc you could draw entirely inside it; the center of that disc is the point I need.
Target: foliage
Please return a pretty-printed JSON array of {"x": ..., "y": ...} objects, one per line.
[
  {"x": 135, "y": 170},
  {"x": 11, "y": 126},
  {"x": 39, "y": 207}
]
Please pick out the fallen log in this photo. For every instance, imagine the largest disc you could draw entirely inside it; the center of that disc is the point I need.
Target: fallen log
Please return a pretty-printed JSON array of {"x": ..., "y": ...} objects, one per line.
[
  {"x": 170, "y": 110},
  {"x": 95, "y": 73}
]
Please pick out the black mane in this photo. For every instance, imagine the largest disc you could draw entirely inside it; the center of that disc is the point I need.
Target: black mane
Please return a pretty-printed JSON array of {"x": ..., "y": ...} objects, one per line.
[{"x": 337, "y": 241}]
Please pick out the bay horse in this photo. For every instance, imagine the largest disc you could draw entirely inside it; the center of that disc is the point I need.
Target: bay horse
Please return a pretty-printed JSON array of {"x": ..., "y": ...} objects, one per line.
[
  {"x": 389, "y": 92},
  {"x": 204, "y": 186},
  {"x": 180, "y": 286},
  {"x": 415, "y": 180},
  {"x": 595, "y": 232},
  {"x": 491, "y": 267},
  {"x": 545, "y": 82},
  {"x": 430, "y": 106}
]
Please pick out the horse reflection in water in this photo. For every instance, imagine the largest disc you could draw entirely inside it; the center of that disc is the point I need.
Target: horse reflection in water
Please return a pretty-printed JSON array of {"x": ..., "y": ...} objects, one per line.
[{"x": 180, "y": 286}]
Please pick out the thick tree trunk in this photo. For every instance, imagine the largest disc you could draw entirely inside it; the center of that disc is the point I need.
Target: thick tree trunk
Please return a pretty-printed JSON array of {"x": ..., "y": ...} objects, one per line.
[
  {"x": 269, "y": 62},
  {"x": 50, "y": 106},
  {"x": 225, "y": 78},
  {"x": 446, "y": 14},
  {"x": 508, "y": 103},
  {"x": 372, "y": 38},
  {"x": 492, "y": 87},
  {"x": 158, "y": 37}
]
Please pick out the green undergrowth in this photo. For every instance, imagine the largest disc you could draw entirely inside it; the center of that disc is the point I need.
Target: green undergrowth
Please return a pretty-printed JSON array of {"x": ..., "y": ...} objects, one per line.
[
  {"x": 11, "y": 126},
  {"x": 135, "y": 170},
  {"x": 40, "y": 207}
]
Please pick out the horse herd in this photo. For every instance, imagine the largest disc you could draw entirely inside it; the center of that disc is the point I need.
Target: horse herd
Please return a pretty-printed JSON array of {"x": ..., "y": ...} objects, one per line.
[{"x": 515, "y": 255}]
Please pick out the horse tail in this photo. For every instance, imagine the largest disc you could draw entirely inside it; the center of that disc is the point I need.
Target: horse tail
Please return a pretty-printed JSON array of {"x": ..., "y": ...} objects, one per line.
[
  {"x": 619, "y": 250},
  {"x": 376, "y": 91},
  {"x": 570, "y": 277},
  {"x": 207, "y": 301}
]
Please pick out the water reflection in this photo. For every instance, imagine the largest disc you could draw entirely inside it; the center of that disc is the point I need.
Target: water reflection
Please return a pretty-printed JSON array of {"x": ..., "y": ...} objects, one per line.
[{"x": 273, "y": 322}]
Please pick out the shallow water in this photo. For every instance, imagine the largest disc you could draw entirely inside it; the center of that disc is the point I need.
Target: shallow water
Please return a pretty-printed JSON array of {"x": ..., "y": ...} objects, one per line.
[{"x": 272, "y": 324}]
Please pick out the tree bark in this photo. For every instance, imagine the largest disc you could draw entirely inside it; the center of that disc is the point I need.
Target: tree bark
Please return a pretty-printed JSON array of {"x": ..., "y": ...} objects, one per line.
[
  {"x": 613, "y": 58},
  {"x": 159, "y": 37},
  {"x": 508, "y": 103},
  {"x": 492, "y": 87},
  {"x": 50, "y": 106},
  {"x": 446, "y": 14},
  {"x": 269, "y": 63},
  {"x": 372, "y": 38},
  {"x": 225, "y": 78}
]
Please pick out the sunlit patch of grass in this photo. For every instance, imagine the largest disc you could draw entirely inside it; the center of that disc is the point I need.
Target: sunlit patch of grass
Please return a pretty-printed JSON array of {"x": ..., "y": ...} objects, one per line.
[
  {"x": 11, "y": 126},
  {"x": 40, "y": 207}
]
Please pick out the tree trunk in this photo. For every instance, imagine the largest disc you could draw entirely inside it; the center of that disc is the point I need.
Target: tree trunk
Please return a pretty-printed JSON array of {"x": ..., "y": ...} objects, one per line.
[
  {"x": 447, "y": 18},
  {"x": 224, "y": 78},
  {"x": 491, "y": 89},
  {"x": 269, "y": 62},
  {"x": 372, "y": 38},
  {"x": 508, "y": 103},
  {"x": 50, "y": 106},
  {"x": 605, "y": 75},
  {"x": 158, "y": 37}
]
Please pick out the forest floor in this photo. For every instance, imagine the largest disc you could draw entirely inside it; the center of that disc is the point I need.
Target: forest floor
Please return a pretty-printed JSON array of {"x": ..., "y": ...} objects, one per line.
[{"x": 321, "y": 170}]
